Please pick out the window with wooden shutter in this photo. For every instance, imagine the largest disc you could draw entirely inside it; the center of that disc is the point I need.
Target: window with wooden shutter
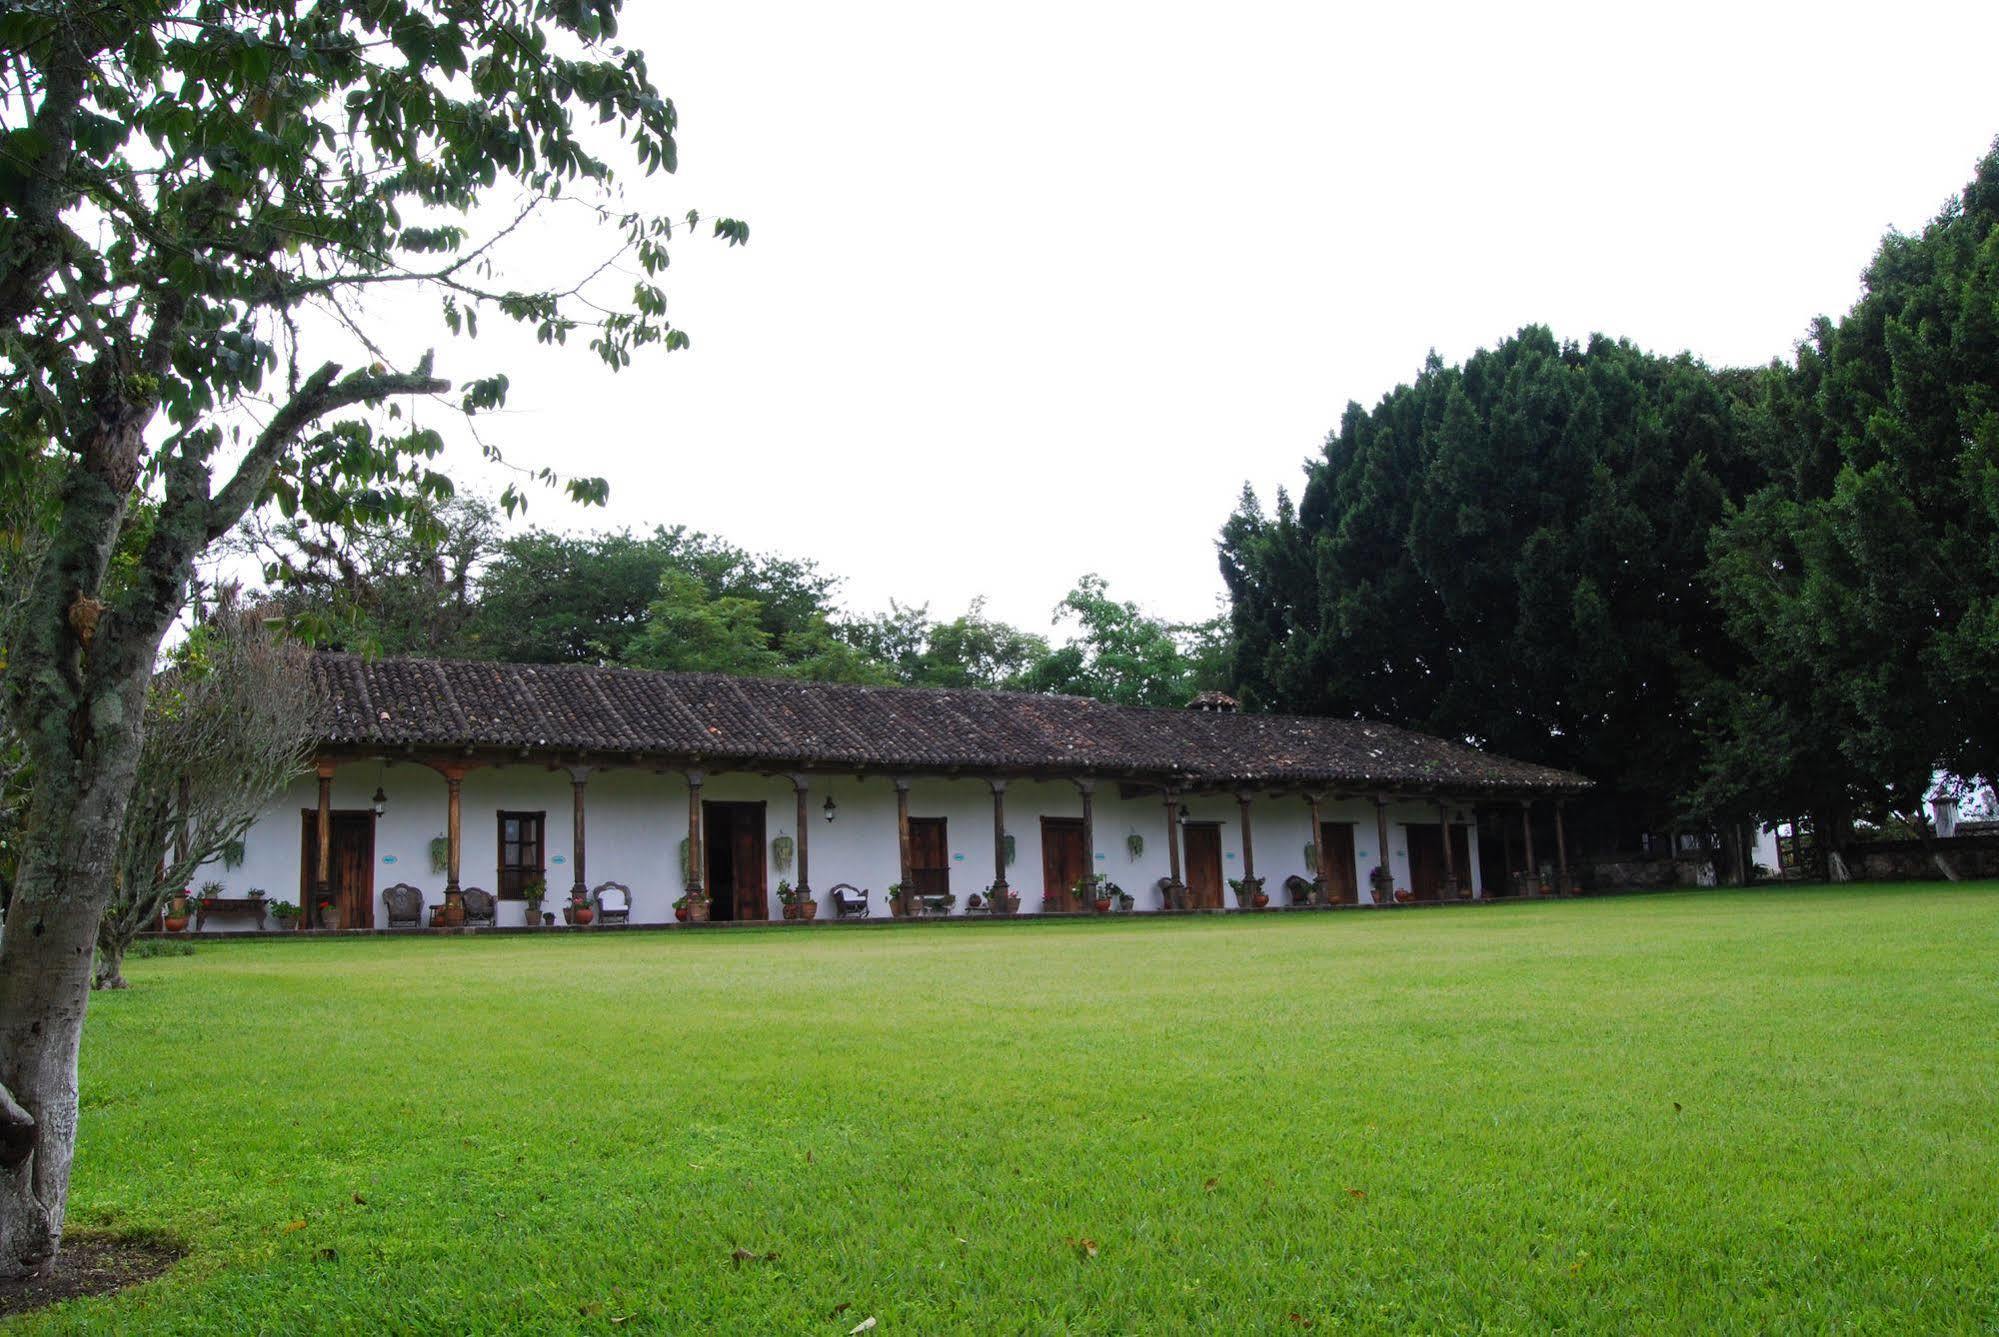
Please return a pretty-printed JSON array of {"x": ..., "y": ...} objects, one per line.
[{"x": 522, "y": 852}]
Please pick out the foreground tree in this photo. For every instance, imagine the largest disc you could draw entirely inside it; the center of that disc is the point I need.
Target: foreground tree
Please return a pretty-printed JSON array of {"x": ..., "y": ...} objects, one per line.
[
  {"x": 228, "y": 723},
  {"x": 250, "y": 167}
]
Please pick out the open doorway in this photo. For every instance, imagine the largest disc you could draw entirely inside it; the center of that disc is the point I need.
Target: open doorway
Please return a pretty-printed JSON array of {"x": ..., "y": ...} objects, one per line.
[{"x": 733, "y": 853}]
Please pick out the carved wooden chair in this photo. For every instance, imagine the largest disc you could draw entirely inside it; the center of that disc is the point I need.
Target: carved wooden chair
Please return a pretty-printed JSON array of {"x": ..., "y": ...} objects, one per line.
[
  {"x": 482, "y": 908},
  {"x": 849, "y": 901},
  {"x": 404, "y": 904},
  {"x": 619, "y": 911}
]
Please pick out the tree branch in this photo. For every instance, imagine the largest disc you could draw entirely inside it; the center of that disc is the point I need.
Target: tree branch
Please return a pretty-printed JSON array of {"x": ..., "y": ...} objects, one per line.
[{"x": 321, "y": 394}]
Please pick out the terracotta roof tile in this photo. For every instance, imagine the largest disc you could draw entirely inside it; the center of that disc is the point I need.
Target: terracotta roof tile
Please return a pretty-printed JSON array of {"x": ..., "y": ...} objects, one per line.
[{"x": 780, "y": 723}]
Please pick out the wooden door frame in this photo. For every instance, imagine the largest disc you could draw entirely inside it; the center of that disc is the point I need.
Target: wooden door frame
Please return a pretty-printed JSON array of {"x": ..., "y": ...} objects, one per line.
[
  {"x": 1221, "y": 863},
  {"x": 1065, "y": 897},
  {"x": 1348, "y": 890},
  {"x": 308, "y": 862},
  {"x": 709, "y": 807},
  {"x": 944, "y": 830}
]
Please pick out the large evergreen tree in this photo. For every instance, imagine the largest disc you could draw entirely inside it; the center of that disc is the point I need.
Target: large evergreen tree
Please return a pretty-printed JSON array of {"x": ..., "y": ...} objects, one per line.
[{"x": 1510, "y": 552}]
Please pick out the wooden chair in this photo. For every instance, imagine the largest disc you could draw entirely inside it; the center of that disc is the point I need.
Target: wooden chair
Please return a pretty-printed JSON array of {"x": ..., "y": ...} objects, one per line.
[
  {"x": 620, "y": 912},
  {"x": 482, "y": 908},
  {"x": 404, "y": 905},
  {"x": 849, "y": 901}
]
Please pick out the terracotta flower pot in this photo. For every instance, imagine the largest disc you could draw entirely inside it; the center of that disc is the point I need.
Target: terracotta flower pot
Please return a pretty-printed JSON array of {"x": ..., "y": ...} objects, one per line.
[
  {"x": 791, "y": 910},
  {"x": 1103, "y": 905},
  {"x": 176, "y": 923},
  {"x": 1259, "y": 900},
  {"x": 808, "y": 910},
  {"x": 329, "y": 916},
  {"x": 584, "y": 914}
]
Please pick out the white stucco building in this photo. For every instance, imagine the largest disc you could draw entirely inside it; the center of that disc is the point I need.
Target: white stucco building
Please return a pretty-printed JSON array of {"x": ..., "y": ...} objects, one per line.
[{"x": 447, "y": 776}]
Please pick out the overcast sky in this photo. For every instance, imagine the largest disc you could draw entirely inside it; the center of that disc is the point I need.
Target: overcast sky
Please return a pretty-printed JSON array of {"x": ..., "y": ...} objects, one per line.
[{"x": 1033, "y": 289}]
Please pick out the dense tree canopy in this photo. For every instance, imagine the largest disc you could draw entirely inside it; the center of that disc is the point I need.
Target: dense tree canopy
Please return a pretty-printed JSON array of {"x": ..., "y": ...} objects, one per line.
[{"x": 1510, "y": 552}]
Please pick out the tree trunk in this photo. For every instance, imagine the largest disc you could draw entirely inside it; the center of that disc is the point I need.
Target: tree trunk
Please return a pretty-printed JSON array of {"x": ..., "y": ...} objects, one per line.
[
  {"x": 45, "y": 961},
  {"x": 110, "y": 964}
]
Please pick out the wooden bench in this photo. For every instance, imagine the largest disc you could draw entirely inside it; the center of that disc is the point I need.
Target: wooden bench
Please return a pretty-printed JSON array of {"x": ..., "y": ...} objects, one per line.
[
  {"x": 849, "y": 901},
  {"x": 205, "y": 906}
]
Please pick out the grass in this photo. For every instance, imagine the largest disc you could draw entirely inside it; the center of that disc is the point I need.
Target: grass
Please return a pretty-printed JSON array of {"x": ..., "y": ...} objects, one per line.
[{"x": 1768, "y": 1111}]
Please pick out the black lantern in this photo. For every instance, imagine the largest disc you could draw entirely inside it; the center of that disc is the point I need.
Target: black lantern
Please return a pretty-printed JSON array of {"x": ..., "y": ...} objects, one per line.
[
  {"x": 380, "y": 802},
  {"x": 830, "y": 808}
]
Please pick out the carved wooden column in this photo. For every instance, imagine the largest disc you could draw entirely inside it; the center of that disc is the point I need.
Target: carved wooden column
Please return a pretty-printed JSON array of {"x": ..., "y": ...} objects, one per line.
[
  {"x": 902, "y": 839},
  {"x": 454, "y": 899},
  {"x": 1533, "y": 884},
  {"x": 1248, "y": 839},
  {"x": 1383, "y": 880},
  {"x": 1320, "y": 869},
  {"x": 1088, "y": 789},
  {"x": 322, "y": 876},
  {"x": 1450, "y": 860},
  {"x": 1000, "y": 887},
  {"x": 1561, "y": 850},
  {"x": 801, "y": 787},
  {"x": 1173, "y": 851},
  {"x": 695, "y": 853},
  {"x": 579, "y": 776}
]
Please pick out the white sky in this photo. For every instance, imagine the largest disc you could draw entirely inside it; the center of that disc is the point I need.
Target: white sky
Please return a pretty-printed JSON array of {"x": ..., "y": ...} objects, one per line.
[{"x": 1033, "y": 289}]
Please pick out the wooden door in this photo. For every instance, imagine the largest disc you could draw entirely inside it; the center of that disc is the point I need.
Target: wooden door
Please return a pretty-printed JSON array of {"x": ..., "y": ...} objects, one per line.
[
  {"x": 1063, "y": 861},
  {"x": 1202, "y": 849},
  {"x": 1336, "y": 847},
  {"x": 746, "y": 847},
  {"x": 350, "y": 871},
  {"x": 1426, "y": 861},
  {"x": 929, "y": 857},
  {"x": 1461, "y": 855}
]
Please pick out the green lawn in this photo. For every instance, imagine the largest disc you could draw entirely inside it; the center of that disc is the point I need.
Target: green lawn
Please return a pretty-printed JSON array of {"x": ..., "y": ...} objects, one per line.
[{"x": 1773, "y": 1111}]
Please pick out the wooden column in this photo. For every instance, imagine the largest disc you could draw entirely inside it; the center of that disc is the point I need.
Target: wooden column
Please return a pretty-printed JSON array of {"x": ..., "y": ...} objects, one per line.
[
  {"x": 1527, "y": 834},
  {"x": 579, "y": 776},
  {"x": 454, "y": 839},
  {"x": 801, "y": 786},
  {"x": 1450, "y": 859},
  {"x": 1384, "y": 885},
  {"x": 1248, "y": 839},
  {"x": 322, "y": 878},
  {"x": 1319, "y": 869},
  {"x": 1088, "y": 788},
  {"x": 1562, "y": 850},
  {"x": 902, "y": 839},
  {"x": 1173, "y": 836},
  {"x": 999, "y": 837},
  {"x": 695, "y": 854}
]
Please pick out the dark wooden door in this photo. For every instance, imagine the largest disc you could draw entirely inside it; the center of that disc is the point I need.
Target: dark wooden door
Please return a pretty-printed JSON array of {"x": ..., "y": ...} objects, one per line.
[
  {"x": 1336, "y": 845},
  {"x": 929, "y": 857},
  {"x": 1202, "y": 849},
  {"x": 746, "y": 846},
  {"x": 350, "y": 870},
  {"x": 1063, "y": 861},
  {"x": 1426, "y": 861}
]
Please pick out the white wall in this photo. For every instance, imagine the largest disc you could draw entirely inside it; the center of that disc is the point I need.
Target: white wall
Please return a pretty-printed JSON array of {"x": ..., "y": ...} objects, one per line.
[{"x": 637, "y": 819}]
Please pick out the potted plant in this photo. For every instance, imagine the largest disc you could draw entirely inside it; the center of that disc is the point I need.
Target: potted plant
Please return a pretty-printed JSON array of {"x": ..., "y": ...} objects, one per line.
[
  {"x": 1249, "y": 894},
  {"x": 285, "y": 913},
  {"x": 1172, "y": 895},
  {"x": 789, "y": 898},
  {"x": 975, "y": 904},
  {"x": 897, "y": 904},
  {"x": 1126, "y": 902},
  {"x": 175, "y": 918},
  {"x": 534, "y": 893},
  {"x": 328, "y": 913},
  {"x": 692, "y": 908},
  {"x": 211, "y": 892},
  {"x": 1091, "y": 892},
  {"x": 1307, "y": 891},
  {"x": 579, "y": 912},
  {"x": 1382, "y": 883},
  {"x": 1002, "y": 900}
]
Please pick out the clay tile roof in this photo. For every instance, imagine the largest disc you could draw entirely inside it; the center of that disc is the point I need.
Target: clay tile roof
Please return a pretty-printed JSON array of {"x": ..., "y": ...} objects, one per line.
[{"x": 393, "y": 704}]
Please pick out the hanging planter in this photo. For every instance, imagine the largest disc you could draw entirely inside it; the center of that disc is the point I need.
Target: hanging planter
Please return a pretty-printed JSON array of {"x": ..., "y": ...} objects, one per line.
[
  {"x": 232, "y": 854},
  {"x": 1312, "y": 856},
  {"x": 1009, "y": 849},
  {"x": 686, "y": 869},
  {"x": 1134, "y": 845},
  {"x": 781, "y": 850},
  {"x": 440, "y": 854}
]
